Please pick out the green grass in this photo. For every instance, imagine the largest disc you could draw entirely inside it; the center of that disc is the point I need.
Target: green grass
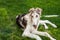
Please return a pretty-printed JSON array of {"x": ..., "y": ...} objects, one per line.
[{"x": 10, "y": 8}]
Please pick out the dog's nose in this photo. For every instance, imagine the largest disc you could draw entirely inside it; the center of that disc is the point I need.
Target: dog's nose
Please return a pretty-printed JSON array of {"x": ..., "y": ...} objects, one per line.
[{"x": 34, "y": 26}]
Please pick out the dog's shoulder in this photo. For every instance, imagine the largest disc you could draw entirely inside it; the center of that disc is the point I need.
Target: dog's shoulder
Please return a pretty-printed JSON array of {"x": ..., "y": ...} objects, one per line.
[{"x": 21, "y": 21}]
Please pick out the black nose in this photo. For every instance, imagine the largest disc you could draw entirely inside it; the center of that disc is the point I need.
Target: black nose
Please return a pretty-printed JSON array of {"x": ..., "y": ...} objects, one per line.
[{"x": 35, "y": 26}]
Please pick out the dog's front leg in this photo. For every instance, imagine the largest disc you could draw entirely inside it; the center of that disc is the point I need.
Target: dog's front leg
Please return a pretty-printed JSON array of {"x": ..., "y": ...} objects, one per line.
[
  {"x": 27, "y": 33},
  {"x": 43, "y": 34},
  {"x": 41, "y": 22},
  {"x": 46, "y": 21}
]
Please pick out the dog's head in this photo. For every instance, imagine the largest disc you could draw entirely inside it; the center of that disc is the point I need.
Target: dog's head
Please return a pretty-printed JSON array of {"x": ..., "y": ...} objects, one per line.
[{"x": 35, "y": 15}]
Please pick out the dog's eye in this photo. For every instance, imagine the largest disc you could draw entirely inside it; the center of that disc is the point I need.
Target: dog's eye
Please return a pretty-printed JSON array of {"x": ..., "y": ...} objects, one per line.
[{"x": 36, "y": 15}]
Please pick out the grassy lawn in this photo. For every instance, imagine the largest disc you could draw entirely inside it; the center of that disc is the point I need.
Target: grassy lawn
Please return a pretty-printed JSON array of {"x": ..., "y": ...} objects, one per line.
[{"x": 10, "y": 8}]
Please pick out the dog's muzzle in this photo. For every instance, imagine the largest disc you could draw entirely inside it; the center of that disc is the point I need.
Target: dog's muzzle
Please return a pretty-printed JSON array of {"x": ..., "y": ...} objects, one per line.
[{"x": 35, "y": 26}]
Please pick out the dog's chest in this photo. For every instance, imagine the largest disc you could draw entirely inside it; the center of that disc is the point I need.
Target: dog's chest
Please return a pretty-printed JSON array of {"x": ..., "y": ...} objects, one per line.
[
  {"x": 31, "y": 28},
  {"x": 26, "y": 21}
]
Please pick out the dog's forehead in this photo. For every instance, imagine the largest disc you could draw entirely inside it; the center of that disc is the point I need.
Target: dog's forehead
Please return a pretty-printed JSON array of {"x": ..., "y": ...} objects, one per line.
[{"x": 35, "y": 11}]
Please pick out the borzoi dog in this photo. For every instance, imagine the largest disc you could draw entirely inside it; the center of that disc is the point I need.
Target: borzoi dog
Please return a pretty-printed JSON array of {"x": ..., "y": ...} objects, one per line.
[{"x": 30, "y": 22}]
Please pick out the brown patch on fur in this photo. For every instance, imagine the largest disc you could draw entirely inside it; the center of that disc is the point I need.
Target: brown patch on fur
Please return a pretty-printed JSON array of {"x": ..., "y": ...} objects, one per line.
[{"x": 24, "y": 22}]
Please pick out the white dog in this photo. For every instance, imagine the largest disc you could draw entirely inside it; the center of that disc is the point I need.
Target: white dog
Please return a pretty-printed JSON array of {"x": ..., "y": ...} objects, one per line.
[{"x": 30, "y": 22}]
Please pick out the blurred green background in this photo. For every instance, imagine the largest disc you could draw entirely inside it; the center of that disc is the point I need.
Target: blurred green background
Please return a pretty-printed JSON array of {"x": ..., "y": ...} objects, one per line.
[{"x": 10, "y": 8}]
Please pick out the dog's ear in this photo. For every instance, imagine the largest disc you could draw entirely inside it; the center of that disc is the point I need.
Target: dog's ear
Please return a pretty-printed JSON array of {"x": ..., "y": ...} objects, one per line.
[
  {"x": 31, "y": 10},
  {"x": 39, "y": 10}
]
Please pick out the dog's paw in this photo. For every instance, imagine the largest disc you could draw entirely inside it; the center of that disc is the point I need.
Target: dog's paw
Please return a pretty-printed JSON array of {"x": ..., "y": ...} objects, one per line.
[
  {"x": 55, "y": 26},
  {"x": 53, "y": 39},
  {"x": 46, "y": 27}
]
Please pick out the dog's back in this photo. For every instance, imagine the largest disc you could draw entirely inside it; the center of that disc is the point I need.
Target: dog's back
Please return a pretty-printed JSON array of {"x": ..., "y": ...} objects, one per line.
[{"x": 21, "y": 22}]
